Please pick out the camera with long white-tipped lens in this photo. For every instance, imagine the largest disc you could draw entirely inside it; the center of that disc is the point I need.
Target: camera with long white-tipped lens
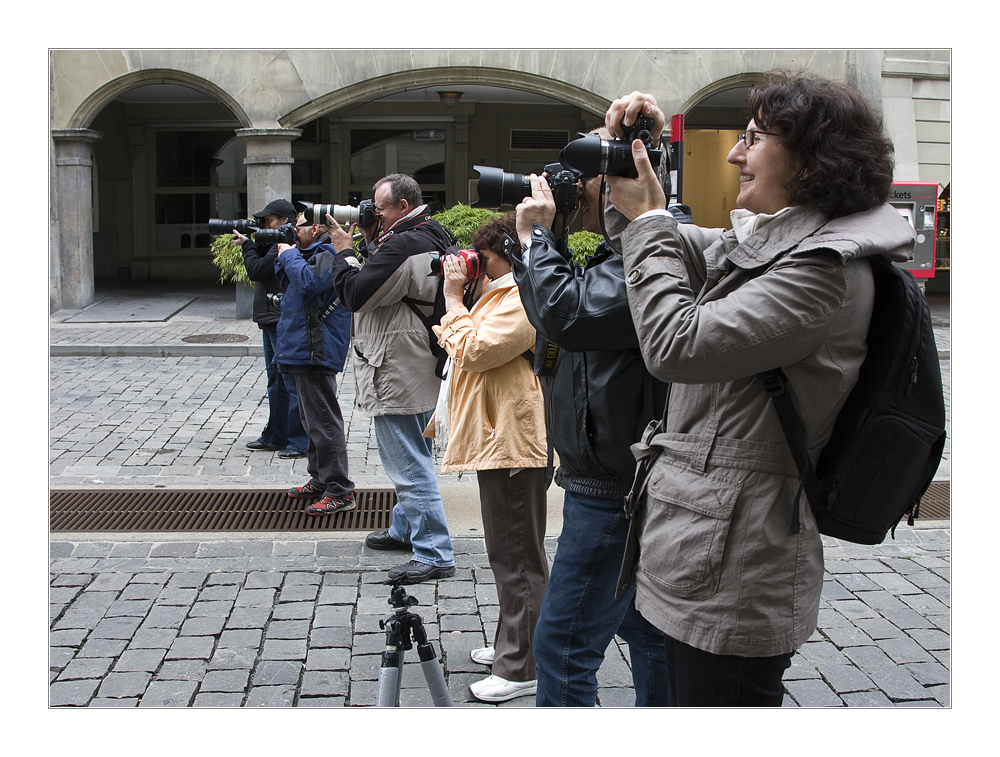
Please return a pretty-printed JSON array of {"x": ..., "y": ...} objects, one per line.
[{"x": 362, "y": 214}]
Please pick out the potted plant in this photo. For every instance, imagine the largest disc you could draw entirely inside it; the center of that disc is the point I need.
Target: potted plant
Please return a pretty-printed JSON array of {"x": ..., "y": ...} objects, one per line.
[{"x": 228, "y": 258}]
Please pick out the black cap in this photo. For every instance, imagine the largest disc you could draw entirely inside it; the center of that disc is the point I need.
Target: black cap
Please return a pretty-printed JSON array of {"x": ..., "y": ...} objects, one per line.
[{"x": 282, "y": 208}]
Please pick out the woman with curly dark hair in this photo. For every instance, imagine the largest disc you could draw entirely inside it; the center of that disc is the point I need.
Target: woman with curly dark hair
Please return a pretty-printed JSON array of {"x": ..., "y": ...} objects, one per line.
[
  {"x": 730, "y": 562},
  {"x": 833, "y": 136}
]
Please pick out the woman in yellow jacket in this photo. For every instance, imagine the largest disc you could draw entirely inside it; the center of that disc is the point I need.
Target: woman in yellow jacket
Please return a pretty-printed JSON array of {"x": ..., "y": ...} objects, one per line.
[{"x": 496, "y": 427}]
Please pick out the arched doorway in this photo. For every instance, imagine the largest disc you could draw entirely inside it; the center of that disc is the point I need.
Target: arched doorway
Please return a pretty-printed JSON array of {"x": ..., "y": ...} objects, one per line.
[
  {"x": 171, "y": 156},
  {"x": 712, "y": 124},
  {"x": 167, "y": 162},
  {"x": 435, "y": 132}
]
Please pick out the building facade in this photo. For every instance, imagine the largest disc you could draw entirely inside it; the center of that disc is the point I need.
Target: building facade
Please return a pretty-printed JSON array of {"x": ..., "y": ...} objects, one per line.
[{"x": 147, "y": 145}]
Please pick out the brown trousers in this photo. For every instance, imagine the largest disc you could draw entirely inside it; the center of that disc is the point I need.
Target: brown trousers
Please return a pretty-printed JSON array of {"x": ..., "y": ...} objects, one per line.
[{"x": 514, "y": 509}]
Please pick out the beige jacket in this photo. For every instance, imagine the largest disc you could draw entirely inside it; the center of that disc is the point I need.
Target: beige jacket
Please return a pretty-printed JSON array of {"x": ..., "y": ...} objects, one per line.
[
  {"x": 393, "y": 364},
  {"x": 496, "y": 414},
  {"x": 718, "y": 567}
]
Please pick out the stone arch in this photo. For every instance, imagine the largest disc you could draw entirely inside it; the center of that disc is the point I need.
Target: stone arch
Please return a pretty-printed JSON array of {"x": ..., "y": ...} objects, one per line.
[
  {"x": 721, "y": 85},
  {"x": 444, "y": 76},
  {"x": 100, "y": 97}
]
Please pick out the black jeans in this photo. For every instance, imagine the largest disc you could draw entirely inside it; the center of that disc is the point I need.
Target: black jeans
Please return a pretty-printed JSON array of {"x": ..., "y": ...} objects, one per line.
[
  {"x": 701, "y": 679},
  {"x": 319, "y": 410}
]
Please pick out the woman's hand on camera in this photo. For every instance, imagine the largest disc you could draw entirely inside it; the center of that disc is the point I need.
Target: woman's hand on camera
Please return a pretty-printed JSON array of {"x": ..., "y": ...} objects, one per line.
[
  {"x": 539, "y": 208},
  {"x": 633, "y": 197},
  {"x": 239, "y": 238},
  {"x": 628, "y": 108},
  {"x": 455, "y": 276}
]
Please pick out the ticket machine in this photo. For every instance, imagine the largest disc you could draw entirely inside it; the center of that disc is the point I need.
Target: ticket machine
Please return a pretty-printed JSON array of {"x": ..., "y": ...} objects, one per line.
[{"x": 916, "y": 201}]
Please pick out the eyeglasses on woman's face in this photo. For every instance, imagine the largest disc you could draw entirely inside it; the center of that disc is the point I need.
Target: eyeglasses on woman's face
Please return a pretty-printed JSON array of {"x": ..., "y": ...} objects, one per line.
[{"x": 750, "y": 136}]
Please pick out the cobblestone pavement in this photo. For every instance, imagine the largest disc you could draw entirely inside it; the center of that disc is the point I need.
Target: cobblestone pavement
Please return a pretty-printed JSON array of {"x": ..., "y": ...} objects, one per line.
[
  {"x": 293, "y": 620},
  {"x": 184, "y": 620}
]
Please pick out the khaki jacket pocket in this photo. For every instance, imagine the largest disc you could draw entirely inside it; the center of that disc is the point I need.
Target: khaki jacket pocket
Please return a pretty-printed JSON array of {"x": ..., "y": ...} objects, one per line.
[{"x": 685, "y": 522}]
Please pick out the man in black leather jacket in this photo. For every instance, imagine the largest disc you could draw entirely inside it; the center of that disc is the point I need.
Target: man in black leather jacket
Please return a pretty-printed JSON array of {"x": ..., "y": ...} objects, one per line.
[{"x": 600, "y": 399}]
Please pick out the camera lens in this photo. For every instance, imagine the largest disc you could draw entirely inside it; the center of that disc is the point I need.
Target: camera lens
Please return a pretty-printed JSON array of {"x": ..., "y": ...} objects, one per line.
[
  {"x": 593, "y": 156},
  {"x": 219, "y": 226},
  {"x": 496, "y": 188},
  {"x": 588, "y": 155},
  {"x": 317, "y": 213}
]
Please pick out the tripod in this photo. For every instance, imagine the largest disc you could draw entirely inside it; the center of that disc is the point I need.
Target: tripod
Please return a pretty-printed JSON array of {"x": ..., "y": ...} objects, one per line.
[{"x": 398, "y": 628}]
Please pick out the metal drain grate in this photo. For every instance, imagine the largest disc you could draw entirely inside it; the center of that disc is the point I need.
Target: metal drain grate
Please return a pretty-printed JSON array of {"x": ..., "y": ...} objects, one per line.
[
  {"x": 209, "y": 510},
  {"x": 936, "y": 502}
]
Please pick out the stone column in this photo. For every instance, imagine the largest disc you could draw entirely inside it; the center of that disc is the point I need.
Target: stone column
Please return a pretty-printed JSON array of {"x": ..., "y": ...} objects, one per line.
[
  {"x": 74, "y": 184},
  {"x": 460, "y": 165},
  {"x": 864, "y": 73},
  {"x": 336, "y": 179},
  {"x": 269, "y": 165}
]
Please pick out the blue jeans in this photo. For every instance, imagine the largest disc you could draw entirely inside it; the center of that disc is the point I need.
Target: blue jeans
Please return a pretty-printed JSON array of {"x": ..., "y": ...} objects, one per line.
[
  {"x": 580, "y": 615},
  {"x": 408, "y": 459},
  {"x": 284, "y": 428}
]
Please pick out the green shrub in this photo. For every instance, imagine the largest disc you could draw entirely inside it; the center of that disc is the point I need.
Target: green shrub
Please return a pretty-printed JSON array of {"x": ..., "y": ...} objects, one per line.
[
  {"x": 465, "y": 221},
  {"x": 584, "y": 245},
  {"x": 228, "y": 258}
]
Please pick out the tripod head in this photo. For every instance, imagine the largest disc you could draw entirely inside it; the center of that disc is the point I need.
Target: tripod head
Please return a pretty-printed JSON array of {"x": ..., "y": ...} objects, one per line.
[{"x": 398, "y": 597}]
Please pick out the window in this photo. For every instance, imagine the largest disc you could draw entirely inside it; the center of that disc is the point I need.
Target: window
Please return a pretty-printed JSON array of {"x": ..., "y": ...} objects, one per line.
[
  {"x": 379, "y": 152},
  {"x": 199, "y": 175}
]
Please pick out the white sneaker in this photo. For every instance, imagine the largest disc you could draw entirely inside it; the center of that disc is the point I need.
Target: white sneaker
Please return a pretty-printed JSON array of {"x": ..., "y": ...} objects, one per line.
[
  {"x": 497, "y": 689},
  {"x": 483, "y": 656}
]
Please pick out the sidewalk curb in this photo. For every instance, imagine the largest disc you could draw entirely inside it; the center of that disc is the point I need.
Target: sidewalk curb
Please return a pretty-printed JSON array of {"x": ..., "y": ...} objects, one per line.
[{"x": 156, "y": 350}]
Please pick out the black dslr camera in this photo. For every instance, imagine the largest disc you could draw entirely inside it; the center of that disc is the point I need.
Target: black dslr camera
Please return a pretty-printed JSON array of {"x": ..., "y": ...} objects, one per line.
[
  {"x": 261, "y": 236},
  {"x": 496, "y": 187},
  {"x": 363, "y": 215},
  {"x": 593, "y": 156}
]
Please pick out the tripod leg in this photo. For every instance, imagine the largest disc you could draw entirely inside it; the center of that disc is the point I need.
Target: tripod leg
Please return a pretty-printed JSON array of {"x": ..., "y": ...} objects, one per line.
[
  {"x": 435, "y": 682},
  {"x": 390, "y": 679},
  {"x": 431, "y": 667},
  {"x": 390, "y": 676}
]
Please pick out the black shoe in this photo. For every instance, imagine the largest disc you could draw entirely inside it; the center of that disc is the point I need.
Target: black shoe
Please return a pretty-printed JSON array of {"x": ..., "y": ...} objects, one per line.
[
  {"x": 414, "y": 572},
  {"x": 260, "y": 446},
  {"x": 382, "y": 540},
  {"x": 287, "y": 453}
]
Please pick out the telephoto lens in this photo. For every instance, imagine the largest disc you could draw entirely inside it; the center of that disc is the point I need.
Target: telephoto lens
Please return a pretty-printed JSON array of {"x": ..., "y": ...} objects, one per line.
[
  {"x": 496, "y": 187},
  {"x": 317, "y": 213},
  {"x": 219, "y": 226}
]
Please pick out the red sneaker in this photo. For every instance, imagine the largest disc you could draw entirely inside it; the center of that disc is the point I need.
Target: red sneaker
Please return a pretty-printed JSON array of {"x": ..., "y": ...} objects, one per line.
[
  {"x": 330, "y": 505},
  {"x": 304, "y": 492}
]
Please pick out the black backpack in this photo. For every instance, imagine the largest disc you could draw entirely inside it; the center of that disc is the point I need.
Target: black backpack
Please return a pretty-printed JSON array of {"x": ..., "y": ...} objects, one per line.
[
  {"x": 888, "y": 438},
  {"x": 438, "y": 309}
]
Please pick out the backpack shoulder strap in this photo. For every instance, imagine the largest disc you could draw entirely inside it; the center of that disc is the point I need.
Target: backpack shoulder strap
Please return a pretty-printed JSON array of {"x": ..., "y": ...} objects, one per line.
[{"x": 795, "y": 433}]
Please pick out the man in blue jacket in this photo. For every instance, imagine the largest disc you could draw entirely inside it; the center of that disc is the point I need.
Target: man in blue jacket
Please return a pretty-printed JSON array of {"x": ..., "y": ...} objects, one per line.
[{"x": 314, "y": 331}]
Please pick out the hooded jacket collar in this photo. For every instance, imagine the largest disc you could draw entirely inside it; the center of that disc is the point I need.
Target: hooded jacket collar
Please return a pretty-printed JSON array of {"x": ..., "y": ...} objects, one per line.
[{"x": 879, "y": 231}]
